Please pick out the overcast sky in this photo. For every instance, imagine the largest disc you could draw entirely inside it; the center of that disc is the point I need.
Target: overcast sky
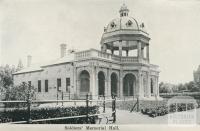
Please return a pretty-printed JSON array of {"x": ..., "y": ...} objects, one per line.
[{"x": 38, "y": 27}]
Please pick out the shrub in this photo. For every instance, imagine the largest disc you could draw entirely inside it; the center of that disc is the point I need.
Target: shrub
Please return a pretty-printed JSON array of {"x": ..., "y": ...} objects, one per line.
[
  {"x": 163, "y": 110},
  {"x": 44, "y": 113},
  {"x": 20, "y": 92}
]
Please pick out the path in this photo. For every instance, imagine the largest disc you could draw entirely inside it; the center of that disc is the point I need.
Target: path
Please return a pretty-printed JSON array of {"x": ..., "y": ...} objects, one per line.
[{"x": 125, "y": 117}]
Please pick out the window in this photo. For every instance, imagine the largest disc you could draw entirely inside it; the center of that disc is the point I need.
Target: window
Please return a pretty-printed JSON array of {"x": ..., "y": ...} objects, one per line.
[
  {"x": 46, "y": 86},
  {"x": 39, "y": 85},
  {"x": 152, "y": 86},
  {"x": 113, "y": 25},
  {"x": 129, "y": 23},
  {"x": 58, "y": 84},
  {"x": 67, "y": 84}
]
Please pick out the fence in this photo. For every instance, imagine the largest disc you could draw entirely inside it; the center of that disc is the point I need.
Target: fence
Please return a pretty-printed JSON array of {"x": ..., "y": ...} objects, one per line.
[
  {"x": 196, "y": 95},
  {"x": 87, "y": 101}
]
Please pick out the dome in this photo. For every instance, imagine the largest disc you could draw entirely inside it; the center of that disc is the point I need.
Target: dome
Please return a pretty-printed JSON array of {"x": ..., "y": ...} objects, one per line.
[
  {"x": 124, "y": 28},
  {"x": 122, "y": 23}
]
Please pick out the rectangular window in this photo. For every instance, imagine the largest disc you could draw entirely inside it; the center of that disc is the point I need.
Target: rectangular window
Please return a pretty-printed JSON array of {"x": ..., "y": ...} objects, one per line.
[
  {"x": 67, "y": 84},
  {"x": 46, "y": 86},
  {"x": 39, "y": 85},
  {"x": 58, "y": 84}
]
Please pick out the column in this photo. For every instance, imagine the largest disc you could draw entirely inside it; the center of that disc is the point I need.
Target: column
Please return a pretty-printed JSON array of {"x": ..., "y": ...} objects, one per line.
[
  {"x": 158, "y": 94},
  {"x": 142, "y": 52},
  {"x": 141, "y": 87},
  {"x": 109, "y": 82},
  {"x": 120, "y": 48},
  {"x": 93, "y": 83},
  {"x": 97, "y": 82},
  {"x": 139, "y": 51},
  {"x": 103, "y": 48},
  {"x": 148, "y": 85},
  {"x": 75, "y": 88},
  {"x": 112, "y": 51},
  {"x": 127, "y": 53},
  {"x": 121, "y": 83},
  {"x": 154, "y": 87},
  {"x": 147, "y": 52}
]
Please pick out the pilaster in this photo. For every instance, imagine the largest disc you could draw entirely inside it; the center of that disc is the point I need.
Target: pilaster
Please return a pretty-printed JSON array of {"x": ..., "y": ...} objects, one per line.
[
  {"x": 93, "y": 82},
  {"x": 148, "y": 85},
  {"x": 141, "y": 87},
  {"x": 108, "y": 82},
  {"x": 120, "y": 48},
  {"x": 139, "y": 51},
  {"x": 121, "y": 83},
  {"x": 147, "y": 52}
]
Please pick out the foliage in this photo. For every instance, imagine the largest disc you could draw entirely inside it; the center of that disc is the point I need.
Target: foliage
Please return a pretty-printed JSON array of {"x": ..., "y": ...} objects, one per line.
[
  {"x": 165, "y": 87},
  {"x": 44, "y": 113},
  {"x": 172, "y": 88},
  {"x": 6, "y": 79},
  {"x": 163, "y": 110},
  {"x": 21, "y": 92}
]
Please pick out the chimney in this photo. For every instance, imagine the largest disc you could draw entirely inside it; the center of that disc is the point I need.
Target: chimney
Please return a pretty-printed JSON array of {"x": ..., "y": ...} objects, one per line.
[
  {"x": 62, "y": 50},
  {"x": 29, "y": 59}
]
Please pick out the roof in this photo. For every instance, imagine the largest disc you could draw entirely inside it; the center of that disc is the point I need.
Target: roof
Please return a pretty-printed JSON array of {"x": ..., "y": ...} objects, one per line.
[
  {"x": 122, "y": 23},
  {"x": 39, "y": 67},
  {"x": 68, "y": 58},
  {"x": 32, "y": 68}
]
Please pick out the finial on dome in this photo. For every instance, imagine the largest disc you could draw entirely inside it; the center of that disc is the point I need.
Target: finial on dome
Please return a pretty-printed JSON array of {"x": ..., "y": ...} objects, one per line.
[{"x": 123, "y": 10}]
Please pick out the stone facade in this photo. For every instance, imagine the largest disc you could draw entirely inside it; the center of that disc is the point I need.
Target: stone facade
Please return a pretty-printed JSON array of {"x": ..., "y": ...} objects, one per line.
[{"x": 99, "y": 72}]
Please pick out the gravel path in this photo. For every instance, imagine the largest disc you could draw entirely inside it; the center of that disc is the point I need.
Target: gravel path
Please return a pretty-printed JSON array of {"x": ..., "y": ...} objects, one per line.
[{"x": 125, "y": 117}]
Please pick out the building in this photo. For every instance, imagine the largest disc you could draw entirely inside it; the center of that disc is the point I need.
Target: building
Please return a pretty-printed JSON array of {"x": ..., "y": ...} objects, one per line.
[
  {"x": 196, "y": 75},
  {"x": 122, "y": 66}
]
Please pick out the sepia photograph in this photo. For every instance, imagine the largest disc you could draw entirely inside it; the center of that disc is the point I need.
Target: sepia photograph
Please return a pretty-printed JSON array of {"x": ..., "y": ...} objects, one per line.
[{"x": 99, "y": 64}]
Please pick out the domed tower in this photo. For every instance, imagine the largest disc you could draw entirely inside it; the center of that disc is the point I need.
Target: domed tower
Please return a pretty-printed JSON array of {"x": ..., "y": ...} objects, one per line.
[{"x": 126, "y": 34}]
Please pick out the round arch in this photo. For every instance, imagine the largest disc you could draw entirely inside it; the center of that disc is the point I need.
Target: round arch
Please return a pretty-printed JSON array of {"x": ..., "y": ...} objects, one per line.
[
  {"x": 114, "y": 83},
  {"x": 84, "y": 78},
  {"x": 101, "y": 83},
  {"x": 129, "y": 83},
  {"x": 152, "y": 85}
]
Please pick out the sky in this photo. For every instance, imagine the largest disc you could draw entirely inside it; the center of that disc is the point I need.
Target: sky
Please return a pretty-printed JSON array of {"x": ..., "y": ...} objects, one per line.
[{"x": 38, "y": 27}]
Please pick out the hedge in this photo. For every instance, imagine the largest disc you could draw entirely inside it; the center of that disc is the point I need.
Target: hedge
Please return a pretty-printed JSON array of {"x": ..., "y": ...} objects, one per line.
[
  {"x": 53, "y": 112},
  {"x": 163, "y": 110}
]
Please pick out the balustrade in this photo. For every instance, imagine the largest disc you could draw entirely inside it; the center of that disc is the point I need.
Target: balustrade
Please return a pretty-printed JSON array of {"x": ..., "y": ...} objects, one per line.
[{"x": 99, "y": 54}]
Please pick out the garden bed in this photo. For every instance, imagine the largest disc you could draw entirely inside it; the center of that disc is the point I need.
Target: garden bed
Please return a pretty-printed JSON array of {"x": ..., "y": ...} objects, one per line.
[
  {"x": 163, "y": 110},
  {"x": 13, "y": 115}
]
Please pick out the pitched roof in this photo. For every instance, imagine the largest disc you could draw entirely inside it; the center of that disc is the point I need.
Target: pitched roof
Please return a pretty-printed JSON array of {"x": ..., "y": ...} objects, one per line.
[
  {"x": 68, "y": 58},
  {"x": 32, "y": 68},
  {"x": 39, "y": 67}
]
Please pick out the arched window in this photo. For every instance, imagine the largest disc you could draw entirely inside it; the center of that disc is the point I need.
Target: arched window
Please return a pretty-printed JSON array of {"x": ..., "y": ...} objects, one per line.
[
  {"x": 101, "y": 83},
  {"x": 129, "y": 82},
  {"x": 114, "y": 84},
  {"x": 84, "y": 81},
  {"x": 152, "y": 85}
]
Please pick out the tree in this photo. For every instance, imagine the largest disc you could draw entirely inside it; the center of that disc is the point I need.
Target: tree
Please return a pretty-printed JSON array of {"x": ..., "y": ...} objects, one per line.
[
  {"x": 20, "y": 92},
  {"x": 23, "y": 91},
  {"x": 165, "y": 87},
  {"x": 6, "y": 79}
]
